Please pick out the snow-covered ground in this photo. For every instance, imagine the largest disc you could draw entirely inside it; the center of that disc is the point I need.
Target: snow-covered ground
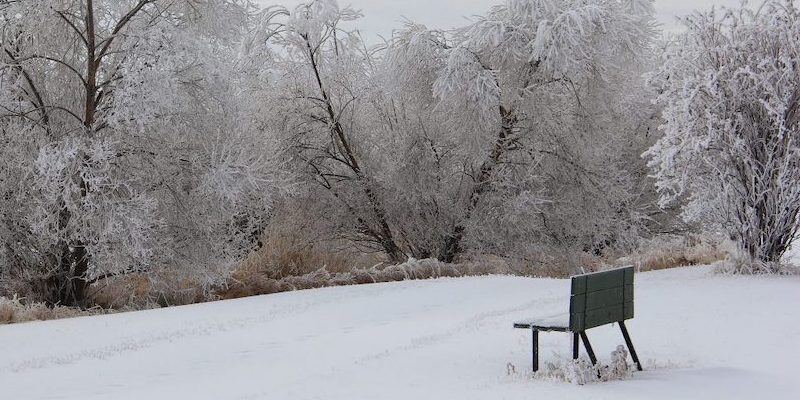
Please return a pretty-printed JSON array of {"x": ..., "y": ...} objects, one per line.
[{"x": 701, "y": 336}]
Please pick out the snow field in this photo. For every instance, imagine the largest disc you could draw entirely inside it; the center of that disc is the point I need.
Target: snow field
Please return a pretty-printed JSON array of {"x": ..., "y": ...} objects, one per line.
[{"x": 700, "y": 335}]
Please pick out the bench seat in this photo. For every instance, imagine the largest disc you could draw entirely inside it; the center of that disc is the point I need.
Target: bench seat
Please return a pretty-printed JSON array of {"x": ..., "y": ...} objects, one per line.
[{"x": 555, "y": 323}]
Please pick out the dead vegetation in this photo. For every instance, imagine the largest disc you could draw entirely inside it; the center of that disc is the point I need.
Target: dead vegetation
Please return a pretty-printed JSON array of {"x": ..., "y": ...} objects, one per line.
[
  {"x": 287, "y": 263},
  {"x": 255, "y": 284},
  {"x": 664, "y": 252},
  {"x": 16, "y": 310}
]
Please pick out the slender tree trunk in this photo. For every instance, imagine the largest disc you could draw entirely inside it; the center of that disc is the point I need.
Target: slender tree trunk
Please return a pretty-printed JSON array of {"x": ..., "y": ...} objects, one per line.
[
  {"x": 452, "y": 244},
  {"x": 383, "y": 235},
  {"x": 74, "y": 261}
]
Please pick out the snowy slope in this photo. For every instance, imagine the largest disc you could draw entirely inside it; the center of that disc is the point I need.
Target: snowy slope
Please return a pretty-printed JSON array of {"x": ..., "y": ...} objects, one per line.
[{"x": 701, "y": 336}]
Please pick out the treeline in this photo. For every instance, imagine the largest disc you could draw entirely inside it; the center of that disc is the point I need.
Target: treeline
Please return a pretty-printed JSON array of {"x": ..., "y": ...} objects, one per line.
[{"x": 175, "y": 140}]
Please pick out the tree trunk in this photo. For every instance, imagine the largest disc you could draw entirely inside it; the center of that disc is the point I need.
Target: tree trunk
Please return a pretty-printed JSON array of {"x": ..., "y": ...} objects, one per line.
[
  {"x": 68, "y": 286},
  {"x": 452, "y": 244},
  {"x": 71, "y": 280},
  {"x": 385, "y": 236}
]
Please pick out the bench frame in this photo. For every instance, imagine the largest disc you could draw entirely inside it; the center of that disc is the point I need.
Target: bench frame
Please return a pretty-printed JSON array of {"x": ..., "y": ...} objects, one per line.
[{"x": 596, "y": 299}]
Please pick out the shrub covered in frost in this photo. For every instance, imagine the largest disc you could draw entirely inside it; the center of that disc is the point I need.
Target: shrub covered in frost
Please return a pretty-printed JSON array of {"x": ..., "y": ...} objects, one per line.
[{"x": 581, "y": 371}]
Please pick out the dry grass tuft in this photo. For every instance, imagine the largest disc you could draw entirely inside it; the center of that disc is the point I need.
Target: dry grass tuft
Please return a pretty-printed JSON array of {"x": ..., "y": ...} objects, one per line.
[
  {"x": 158, "y": 288},
  {"x": 582, "y": 372},
  {"x": 14, "y": 310},
  {"x": 664, "y": 252},
  {"x": 6, "y": 311}
]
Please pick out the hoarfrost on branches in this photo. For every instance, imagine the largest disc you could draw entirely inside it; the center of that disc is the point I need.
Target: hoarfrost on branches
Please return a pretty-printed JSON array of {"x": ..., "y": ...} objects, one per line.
[
  {"x": 730, "y": 153},
  {"x": 441, "y": 143},
  {"x": 111, "y": 114}
]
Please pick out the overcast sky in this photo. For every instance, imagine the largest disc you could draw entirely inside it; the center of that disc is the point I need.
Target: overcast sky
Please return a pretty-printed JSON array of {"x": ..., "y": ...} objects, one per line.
[{"x": 382, "y": 16}]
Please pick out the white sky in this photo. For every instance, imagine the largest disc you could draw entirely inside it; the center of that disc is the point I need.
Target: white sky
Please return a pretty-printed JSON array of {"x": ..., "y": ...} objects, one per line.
[{"x": 382, "y": 16}]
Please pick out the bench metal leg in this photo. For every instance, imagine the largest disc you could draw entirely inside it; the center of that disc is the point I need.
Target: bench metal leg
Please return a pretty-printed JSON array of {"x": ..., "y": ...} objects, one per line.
[
  {"x": 535, "y": 347},
  {"x": 630, "y": 345},
  {"x": 588, "y": 347},
  {"x": 575, "y": 346}
]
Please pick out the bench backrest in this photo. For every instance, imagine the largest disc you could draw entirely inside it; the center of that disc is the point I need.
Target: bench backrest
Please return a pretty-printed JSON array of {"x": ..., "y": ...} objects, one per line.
[{"x": 601, "y": 298}]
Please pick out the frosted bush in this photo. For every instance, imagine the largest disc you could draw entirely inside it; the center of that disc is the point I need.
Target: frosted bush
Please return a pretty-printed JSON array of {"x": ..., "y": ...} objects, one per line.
[
  {"x": 581, "y": 371},
  {"x": 740, "y": 263},
  {"x": 619, "y": 367},
  {"x": 730, "y": 88}
]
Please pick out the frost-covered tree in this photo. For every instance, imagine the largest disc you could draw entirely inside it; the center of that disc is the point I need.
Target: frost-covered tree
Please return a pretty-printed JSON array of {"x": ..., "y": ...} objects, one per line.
[
  {"x": 730, "y": 154},
  {"x": 513, "y": 132},
  {"x": 538, "y": 108},
  {"x": 124, "y": 143},
  {"x": 318, "y": 90}
]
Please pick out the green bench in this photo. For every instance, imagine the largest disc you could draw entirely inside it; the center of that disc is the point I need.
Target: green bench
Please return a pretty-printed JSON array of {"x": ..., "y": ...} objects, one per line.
[{"x": 596, "y": 299}]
